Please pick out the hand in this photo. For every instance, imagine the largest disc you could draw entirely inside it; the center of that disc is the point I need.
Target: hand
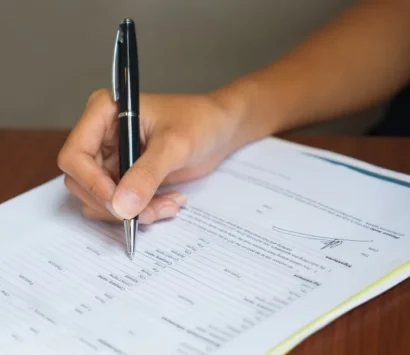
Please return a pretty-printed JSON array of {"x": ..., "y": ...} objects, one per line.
[{"x": 183, "y": 137}]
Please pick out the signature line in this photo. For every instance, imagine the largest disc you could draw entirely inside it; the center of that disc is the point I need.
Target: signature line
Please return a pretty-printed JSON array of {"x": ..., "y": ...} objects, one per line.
[{"x": 327, "y": 241}]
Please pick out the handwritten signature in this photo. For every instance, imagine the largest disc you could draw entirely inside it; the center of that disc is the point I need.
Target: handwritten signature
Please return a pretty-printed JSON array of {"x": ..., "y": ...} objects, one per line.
[
  {"x": 327, "y": 241},
  {"x": 331, "y": 243}
]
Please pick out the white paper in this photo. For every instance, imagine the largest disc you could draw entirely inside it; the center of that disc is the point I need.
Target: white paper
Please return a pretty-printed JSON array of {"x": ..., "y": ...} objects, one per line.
[{"x": 275, "y": 238}]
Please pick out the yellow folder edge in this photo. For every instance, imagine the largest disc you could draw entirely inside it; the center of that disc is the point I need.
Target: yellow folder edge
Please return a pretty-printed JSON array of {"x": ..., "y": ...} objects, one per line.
[{"x": 285, "y": 344}]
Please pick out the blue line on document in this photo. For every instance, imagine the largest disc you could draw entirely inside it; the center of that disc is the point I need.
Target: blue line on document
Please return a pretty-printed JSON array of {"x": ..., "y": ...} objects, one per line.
[{"x": 362, "y": 171}]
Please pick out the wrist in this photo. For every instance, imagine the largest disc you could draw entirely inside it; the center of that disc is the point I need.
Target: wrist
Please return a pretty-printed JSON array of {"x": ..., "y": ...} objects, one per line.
[
  {"x": 238, "y": 100},
  {"x": 262, "y": 103}
]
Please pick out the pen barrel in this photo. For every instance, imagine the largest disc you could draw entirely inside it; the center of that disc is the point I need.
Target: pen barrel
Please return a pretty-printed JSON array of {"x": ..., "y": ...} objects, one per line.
[
  {"x": 129, "y": 147},
  {"x": 128, "y": 100},
  {"x": 128, "y": 74}
]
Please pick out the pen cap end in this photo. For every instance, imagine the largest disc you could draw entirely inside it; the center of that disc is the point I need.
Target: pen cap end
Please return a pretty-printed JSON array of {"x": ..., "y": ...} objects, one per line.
[{"x": 128, "y": 21}]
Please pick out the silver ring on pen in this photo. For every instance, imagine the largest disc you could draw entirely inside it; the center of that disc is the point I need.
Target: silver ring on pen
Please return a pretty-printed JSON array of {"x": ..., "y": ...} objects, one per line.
[{"x": 127, "y": 113}]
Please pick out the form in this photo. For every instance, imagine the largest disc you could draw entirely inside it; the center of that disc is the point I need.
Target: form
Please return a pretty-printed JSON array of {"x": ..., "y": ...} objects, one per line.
[{"x": 276, "y": 238}]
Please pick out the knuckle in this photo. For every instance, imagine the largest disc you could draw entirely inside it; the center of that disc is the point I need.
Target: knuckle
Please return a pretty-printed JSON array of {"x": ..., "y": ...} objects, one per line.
[
  {"x": 63, "y": 160},
  {"x": 94, "y": 188},
  {"x": 99, "y": 94},
  {"x": 103, "y": 98},
  {"x": 67, "y": 182}
]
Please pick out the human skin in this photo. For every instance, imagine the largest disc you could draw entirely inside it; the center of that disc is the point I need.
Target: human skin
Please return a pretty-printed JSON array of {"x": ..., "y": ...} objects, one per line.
[{"x": 360, "y": 58}]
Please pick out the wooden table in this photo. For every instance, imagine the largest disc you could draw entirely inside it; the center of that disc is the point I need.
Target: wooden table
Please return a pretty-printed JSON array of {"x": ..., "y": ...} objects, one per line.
[{"x": 381, "y": 326}]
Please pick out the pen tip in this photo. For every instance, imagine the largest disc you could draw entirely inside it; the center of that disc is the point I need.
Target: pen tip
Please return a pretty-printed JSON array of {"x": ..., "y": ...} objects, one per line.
[{"x": 131, "y": 256}]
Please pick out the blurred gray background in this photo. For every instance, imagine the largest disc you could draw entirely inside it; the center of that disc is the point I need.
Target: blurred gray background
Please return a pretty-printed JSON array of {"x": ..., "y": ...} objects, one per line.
[{"x": 55, "y": 53}]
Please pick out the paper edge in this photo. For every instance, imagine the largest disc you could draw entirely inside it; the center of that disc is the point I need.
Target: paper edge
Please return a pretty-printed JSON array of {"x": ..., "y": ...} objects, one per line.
[
  {"x": 32, "y": 190},
  {"x": 344, "y": 307}
]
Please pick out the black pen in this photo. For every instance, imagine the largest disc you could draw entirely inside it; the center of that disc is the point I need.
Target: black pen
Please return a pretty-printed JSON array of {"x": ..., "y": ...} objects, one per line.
[{"x": 125, "y": 82}]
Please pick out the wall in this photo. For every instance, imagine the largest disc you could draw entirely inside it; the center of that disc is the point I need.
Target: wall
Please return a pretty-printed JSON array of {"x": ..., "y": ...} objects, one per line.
[{"x": 55, "y": 53}]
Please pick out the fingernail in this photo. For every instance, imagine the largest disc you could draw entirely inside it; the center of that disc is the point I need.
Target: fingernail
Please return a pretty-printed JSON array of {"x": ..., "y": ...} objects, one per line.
[
  {"x": 146, "y": 217},
  {"x": 180, "y": 200},
  {"x": 167, "y": 212},
  {"x": 110, "y": 209},
  {"x": 126, "y": 204},
  {"x": 177, "y": 197}
]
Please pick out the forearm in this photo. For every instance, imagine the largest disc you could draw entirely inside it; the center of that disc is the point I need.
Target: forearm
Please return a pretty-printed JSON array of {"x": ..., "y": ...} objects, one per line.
[{"x": 360, "y": 58}]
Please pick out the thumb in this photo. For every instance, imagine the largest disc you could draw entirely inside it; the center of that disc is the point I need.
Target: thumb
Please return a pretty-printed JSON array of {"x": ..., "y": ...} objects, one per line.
[{"x": 163, "y": 155}]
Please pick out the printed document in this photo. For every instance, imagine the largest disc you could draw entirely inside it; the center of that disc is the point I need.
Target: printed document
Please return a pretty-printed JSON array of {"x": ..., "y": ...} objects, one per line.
[{"x": 274, "y": 244}]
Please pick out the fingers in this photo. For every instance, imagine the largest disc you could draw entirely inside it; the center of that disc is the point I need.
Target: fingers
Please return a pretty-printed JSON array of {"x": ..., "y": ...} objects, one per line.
[
  {"x": 77, "y": 157},
  {"x": 99, "y": 215},
  {"x": 164, "y": 153},
  {"x": 163, "y": 206},
  {"x": 95, "y": 124},
  {"x": 87, "y": 199},
  {"x": 160, "y": 207},
  {"x": 191, "y": 173}
]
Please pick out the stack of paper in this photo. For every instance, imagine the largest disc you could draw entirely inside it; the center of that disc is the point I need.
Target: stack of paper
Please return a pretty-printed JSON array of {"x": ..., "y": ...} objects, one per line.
[{"x": 280, "y": 240}]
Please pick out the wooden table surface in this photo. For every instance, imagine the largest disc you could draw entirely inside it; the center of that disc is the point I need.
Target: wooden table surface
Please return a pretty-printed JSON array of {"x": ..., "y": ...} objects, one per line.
[{"x": 381, "y": 326}]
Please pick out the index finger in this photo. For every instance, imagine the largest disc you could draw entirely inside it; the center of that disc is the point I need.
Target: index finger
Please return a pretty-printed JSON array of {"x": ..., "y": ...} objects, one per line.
[{"x": 77, "y": 157}]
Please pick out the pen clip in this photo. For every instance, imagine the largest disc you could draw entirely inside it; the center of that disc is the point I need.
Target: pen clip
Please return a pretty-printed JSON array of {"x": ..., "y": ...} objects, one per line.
[{"x": 115, "y": 90}]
